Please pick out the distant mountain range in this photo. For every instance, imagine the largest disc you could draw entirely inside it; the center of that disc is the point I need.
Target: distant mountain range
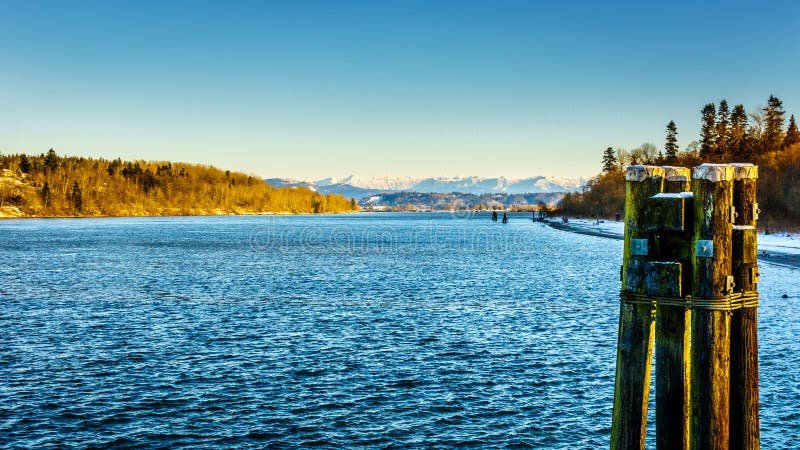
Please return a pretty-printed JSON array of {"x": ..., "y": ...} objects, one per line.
[
  {"x": 436, "y": 201},
  {"x": 358, "y": 188}
]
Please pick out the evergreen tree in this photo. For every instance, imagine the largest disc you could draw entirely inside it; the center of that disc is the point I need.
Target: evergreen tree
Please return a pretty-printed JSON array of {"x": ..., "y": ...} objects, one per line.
[
  {"x": 24, "y": 164},
  {"x": 77, "y": 197},
  {"x": 708, "y": 133},
  {"x": 671, "y": 147},
  {"x": 609, "y": 160},
  {"x": 723, "y": 130},
  {"x": 113, "y": 166},
  {"x": 51, "y": 160},
  {"x": 792, "y": 133},
  {"x": 46, "y": 194},
  {"x": 738, "y": 132},
  {"x": 773, "y": 125}
]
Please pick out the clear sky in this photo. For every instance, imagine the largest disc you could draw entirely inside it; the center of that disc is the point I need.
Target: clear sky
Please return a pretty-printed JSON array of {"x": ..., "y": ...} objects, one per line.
[{"x": 433, "y": 88}]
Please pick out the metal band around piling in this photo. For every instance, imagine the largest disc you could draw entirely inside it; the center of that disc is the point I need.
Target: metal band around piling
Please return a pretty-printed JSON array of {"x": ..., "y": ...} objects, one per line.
[{"x": 730, "y": 302}]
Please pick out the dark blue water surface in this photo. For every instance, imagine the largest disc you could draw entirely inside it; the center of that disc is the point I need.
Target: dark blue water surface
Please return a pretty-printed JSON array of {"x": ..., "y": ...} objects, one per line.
[{"x": 346, "y": 331}]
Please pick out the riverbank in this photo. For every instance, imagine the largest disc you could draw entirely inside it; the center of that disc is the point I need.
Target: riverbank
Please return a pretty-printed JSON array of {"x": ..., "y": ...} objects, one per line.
[
  {"x": 781, "y": 249},
  {"x": 53, "y": 185},
  {"x": 10, "y": 212}
]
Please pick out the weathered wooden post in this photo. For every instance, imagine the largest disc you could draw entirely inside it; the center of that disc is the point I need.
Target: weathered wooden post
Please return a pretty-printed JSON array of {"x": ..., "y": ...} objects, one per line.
[
  {"x": 712, "y": 186},
  {"x": 672, "y": 218},
  {"x": 705, "y": 343},
  {"x": 744, "y": 423},
  {"x": 677, "y": 179},
  {"x": 635, "y": 339}
]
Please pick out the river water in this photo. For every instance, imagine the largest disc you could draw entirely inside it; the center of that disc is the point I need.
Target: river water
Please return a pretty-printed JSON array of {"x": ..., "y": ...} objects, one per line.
[{"x": 366, "y": 330}]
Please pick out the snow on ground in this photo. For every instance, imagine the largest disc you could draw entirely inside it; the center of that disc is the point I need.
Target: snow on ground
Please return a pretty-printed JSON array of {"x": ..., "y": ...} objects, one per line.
[
  {"x": 786, "y": 243},
  {"x": 779, "y": 243},
  {"x": 603, "y": 226}
]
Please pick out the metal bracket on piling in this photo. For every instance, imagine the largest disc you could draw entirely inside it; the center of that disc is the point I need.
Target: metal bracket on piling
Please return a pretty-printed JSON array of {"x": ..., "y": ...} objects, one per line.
[
  {"x": 704, "y": 248},
  {"x": 639, "y": 247}
]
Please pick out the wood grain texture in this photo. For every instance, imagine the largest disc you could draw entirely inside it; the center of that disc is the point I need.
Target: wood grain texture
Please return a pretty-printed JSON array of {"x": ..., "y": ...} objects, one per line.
[
  {"x": 672, "y": 224},
  {"x": 744, "y": 419},
  {"x": 636, "y": 324},
  {"x": 712, "y": 186},
  {"x": 677, "y": 179},
  {"x": 671, "y": 349}
]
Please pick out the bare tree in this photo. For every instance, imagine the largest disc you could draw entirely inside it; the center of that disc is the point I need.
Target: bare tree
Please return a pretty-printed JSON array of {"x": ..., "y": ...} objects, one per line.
[
  {"x": 623, "y": 157},
  {"x": 756, "y": 128},
  {"x": 645, "y": 153}
]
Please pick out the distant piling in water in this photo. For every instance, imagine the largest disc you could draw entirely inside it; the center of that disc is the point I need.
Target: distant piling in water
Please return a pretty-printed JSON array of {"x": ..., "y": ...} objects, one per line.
[{"x": 689, "y": 270}]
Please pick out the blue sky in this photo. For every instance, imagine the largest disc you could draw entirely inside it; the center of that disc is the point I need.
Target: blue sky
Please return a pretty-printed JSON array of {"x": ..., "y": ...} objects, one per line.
[{"x": 436, "y": 88}]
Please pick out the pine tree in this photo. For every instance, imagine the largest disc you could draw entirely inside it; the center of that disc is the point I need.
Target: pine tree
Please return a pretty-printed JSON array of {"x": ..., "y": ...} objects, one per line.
[
  {"x": 792, "y": 133},
  {"x": 51, "y": 160},
  {"x": 24, "y": 164},
  {"x": 77, "y": 197},
  {"x": 773, "y": 125},
  {"x": 113, "y": 166},
  {"x": 609, "y": 160},
  {"x": 738, "y": 132},
  {"x": 708, "y": 133},
  {"x": 723, "y": 130},
  {"x": 671, "y": 147},
  {"x": 46, "y": 194}
]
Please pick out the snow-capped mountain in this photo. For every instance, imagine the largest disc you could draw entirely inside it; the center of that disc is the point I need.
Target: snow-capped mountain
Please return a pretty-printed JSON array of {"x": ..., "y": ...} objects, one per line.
[
  {"x": 479, "y": 185},
  {"x": 380, "y": 183},
  {"x": 355, "y": 187}
]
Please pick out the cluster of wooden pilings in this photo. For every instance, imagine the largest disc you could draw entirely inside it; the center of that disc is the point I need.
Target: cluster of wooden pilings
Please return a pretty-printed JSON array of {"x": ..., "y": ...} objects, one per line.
[{"x": 689, "y": 278}]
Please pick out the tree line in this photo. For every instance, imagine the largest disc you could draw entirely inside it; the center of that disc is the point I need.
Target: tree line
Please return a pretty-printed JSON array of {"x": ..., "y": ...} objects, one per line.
[
  {"x": 53, "y": 185},
  {"x": 761, "y": 137}
]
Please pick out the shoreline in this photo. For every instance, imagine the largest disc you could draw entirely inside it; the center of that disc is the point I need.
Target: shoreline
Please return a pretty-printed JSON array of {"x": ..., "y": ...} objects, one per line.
[
  {"x": 580, "y": 230},
  {"x": 4, "y": 217},
  {"x": 788, "y": 260}
]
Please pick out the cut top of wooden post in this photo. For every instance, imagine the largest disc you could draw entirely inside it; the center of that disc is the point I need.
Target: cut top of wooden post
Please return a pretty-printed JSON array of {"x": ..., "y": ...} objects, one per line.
[
  {"x": 745, "y": 171},
  {"x": 641, "y": 173},
  {"x": 672, "y": 173},
  {"x": 677, "y": 179},
  {"x": 713, "y": 172}
]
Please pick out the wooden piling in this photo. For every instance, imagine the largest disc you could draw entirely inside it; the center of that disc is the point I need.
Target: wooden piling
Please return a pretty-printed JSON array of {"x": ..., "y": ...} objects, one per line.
[
  {"x": 635, "y": 339},
  {"x": 677, "y": 179},
  {"x": 671, "y": 348},
  {"x": 673, "y": 218},
  {"x": 712, "y": 186},
  {"x": 744, "y": 420}
]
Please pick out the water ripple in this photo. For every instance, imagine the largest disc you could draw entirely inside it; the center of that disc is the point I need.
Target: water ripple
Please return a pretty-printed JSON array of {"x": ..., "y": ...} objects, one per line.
[{"x": 404, "y": 330}]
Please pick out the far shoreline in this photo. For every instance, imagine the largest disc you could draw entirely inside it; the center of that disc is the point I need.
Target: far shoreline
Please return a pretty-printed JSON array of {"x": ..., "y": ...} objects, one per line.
[
  {"x": 282, "y": 213},
  {"x": 24, "y": 217}
]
